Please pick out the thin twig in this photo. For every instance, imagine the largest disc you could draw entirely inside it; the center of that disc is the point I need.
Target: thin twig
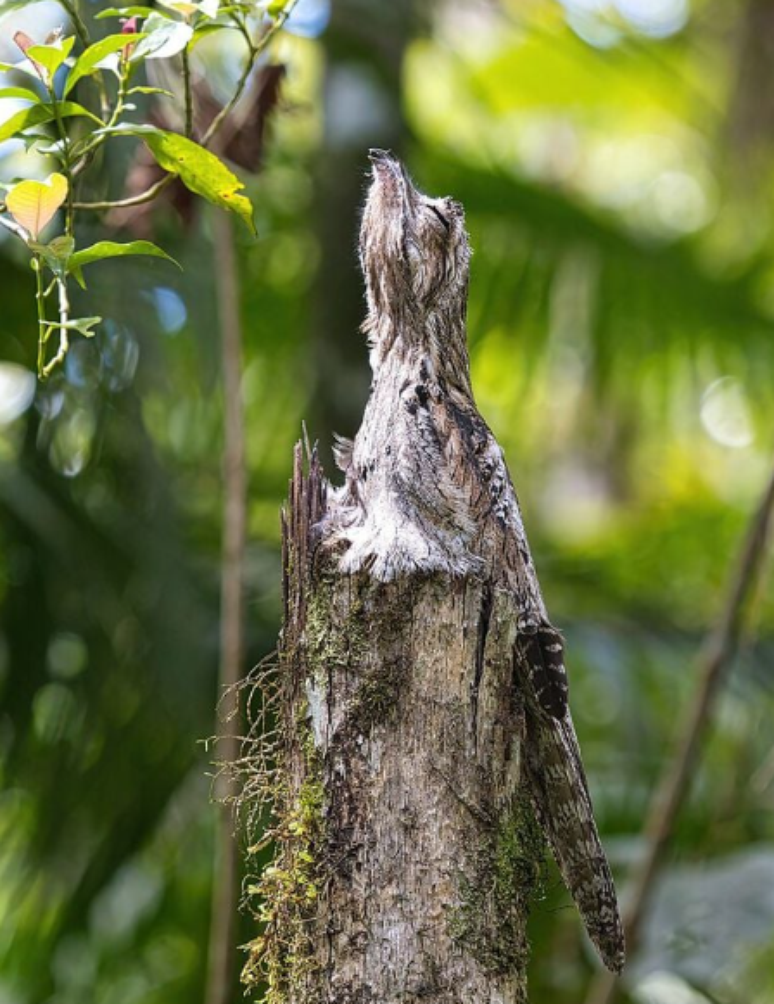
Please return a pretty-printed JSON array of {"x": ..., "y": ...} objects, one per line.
[
  {"x": 78, "y": 23},
  {"x": 188, "y": 92},
  {"x": 11, "y": 225},
  {"x": 226, "y": 884},
  {"x": 217, "y": 122},
  {"x": 64, "y": 334},
  {"x": 254, "y": 51},
  {"x": 40, "y": 300},
  {"x": 65, "y": 160},
  {"x": 88, "y": 149},
  {"x": 135, "y": 200},
  {"x": 715, "y": 658}
]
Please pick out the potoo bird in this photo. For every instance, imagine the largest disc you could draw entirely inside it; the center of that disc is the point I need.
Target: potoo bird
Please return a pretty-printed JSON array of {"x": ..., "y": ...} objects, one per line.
[{"x": 427, "y": 490}]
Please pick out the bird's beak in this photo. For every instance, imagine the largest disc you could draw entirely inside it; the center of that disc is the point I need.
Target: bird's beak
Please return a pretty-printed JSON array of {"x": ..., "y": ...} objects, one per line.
[{"x": 390, "y": 177}]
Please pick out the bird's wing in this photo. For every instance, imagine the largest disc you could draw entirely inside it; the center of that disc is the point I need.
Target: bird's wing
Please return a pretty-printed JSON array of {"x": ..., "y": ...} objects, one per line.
[{"x": 562, "y": 803}]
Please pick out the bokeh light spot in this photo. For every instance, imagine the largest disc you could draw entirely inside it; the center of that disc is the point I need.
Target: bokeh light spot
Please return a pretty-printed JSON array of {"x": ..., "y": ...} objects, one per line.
[
  {"x": 55, "y": 713},
  {"x": 67, "y": 656},
  {"x": 170, "y": 308},
  {"x": 657, "y": 18},
  {"x": 17, "y": 389},
  {"x": 725, "y": 413}
]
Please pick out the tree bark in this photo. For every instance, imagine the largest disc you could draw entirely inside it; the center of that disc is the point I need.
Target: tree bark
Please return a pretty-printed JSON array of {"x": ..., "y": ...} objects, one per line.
[{"x": 406, "y": 851}]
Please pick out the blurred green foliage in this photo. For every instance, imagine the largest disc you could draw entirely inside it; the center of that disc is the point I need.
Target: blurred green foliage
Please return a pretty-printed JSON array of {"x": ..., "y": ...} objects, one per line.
[{"x": 615, "y": 163}]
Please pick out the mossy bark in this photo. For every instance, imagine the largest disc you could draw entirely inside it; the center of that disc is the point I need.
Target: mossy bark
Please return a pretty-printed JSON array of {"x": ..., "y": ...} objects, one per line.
[{"x": 399, "y": 710}]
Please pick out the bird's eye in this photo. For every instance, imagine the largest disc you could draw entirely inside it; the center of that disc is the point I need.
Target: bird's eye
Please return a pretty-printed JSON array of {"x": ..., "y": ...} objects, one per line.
[{"x": 441, "y": 217}]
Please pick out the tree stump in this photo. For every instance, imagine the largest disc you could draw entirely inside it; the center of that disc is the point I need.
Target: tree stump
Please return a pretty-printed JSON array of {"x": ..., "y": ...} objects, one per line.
[{"x": 406, "y": 849}]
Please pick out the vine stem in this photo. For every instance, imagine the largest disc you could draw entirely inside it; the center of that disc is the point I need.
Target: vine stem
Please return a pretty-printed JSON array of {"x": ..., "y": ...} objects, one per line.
[
  {"x": 78, "y": 23},
  {"x": 135, "y": 200},
  {"x": 11, "y": 225},
  {"x": 40, "y": 299},
  {"x": 64, "y": 338},
  {"x": 66, "y": 161},
  {"x": 721, "y": 645},
  {"x": 91, "y": 146},
  {"x": 188, "y": 91}
]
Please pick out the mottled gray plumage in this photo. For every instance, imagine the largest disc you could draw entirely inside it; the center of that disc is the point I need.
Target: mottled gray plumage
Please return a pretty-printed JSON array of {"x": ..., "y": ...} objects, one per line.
[{"x": 427, "y": 489}]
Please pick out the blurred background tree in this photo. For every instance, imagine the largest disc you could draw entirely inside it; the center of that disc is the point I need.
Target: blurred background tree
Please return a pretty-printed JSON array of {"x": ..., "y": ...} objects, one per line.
[{"x": 615, "y": 160}]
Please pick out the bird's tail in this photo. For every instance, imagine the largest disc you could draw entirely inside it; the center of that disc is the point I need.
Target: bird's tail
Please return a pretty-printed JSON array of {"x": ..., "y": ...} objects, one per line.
[{"x": 563, "y": 806}]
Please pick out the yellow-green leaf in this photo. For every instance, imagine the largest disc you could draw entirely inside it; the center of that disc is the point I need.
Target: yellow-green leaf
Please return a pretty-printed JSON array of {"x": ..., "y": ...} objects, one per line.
[
  {"x": 201, "y": 172},
  {"x": 33, "y": 203},
  {"x": 150, "y": 90},
  {"x": 183, "y": 7},
  {"x": 50, "y": 57},
  {"x": 124, "y": 12},
  {"x": 24, "y": 93},
  {"x": 199, "y": 169}
]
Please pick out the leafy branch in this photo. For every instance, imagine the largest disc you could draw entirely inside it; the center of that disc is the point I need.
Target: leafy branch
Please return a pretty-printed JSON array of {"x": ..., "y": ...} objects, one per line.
[
  {"x": 281, "y": 13},
  {"x": 79, "y": 134}
]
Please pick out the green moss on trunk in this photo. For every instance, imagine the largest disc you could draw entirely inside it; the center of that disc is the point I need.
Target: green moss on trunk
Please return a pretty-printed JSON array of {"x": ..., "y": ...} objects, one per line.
[
  {"x": 281, "y": 959},
  {"x": 497, "y": 892}
]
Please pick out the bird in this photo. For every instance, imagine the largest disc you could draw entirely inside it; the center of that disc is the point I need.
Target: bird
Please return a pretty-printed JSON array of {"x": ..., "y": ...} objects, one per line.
[{"x": 427, "y": 490}]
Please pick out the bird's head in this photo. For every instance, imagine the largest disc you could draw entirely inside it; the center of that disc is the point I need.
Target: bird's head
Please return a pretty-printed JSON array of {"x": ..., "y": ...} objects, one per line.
[{"x": 413, "y": 249}]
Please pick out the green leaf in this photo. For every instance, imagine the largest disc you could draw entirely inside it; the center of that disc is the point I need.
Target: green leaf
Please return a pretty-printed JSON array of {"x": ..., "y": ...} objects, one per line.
[
  {"x": 125, "y": 12},
  {"x": 207, "y": 28},
  {"x": 199, "y": 169},
  {"x": 60, "y": 247},
  {"x": 88, "y": 60},
  {"x": 111, "y": 249},
  {"x": 39, "y": 115},
  {"x": 45, "y": 146},
  {"x": 20, "y": 92},
  {"x": 33, "y": 203},
  {"x": 150, "y": 90},
  {"x": 183, "y": 7},
  {"x": 50, "y": 57},
  {"x": 56, "y": 253},
  {"x": 165, "y": 38},
  {"x": 76, "y": 273},
  {"x": 30, "y": 139},
  {"x": 84, "y": 325},
  {"x": 276, "y": 7},
  {"x": 70, "y": 109}
]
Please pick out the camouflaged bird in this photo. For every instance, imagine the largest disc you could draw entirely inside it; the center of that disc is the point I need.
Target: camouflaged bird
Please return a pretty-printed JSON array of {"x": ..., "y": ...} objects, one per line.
[{"x": 427, "y": 490}]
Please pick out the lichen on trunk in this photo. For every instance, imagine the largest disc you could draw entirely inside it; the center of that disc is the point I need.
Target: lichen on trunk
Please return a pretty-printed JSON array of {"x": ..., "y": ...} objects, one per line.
[{"x": 405, "y": 849}]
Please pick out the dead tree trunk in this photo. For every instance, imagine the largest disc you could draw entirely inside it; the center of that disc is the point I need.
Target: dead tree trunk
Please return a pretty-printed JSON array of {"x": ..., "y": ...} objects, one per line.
[
  {"x": 422, "y": 699},
  {"x": 407, "y": 853}
]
